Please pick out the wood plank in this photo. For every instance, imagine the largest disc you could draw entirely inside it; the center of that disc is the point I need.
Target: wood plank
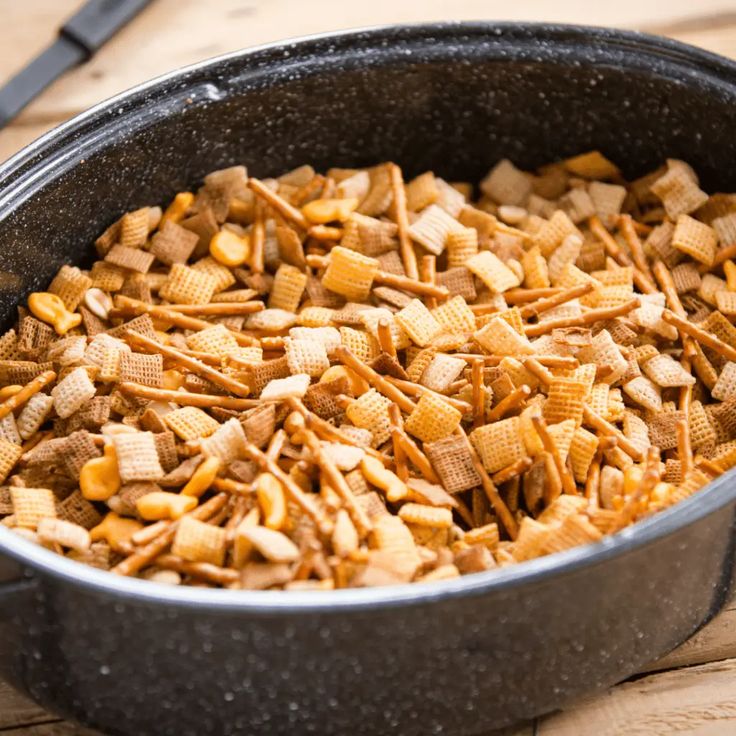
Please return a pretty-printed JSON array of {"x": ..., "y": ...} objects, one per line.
[
  {"x": 165, "y": 30},
  {"x": 52, "y": 728},
  {"x": 16, "y": 710},
  {"x": 714, "y": 642},
  {"x": 699, "y": 700}
]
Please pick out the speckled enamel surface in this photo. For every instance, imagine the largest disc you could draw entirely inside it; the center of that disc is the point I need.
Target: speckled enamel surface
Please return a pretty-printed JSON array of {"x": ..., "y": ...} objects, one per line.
[{"x": 446, "y": 658}]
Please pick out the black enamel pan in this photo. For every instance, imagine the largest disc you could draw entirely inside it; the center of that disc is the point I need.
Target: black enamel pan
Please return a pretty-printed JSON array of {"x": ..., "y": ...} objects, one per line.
[{"x": 456, "y": 657}]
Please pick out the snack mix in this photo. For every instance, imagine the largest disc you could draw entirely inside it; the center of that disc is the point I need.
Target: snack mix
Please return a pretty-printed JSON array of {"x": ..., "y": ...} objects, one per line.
[{"x": 334, "y": 380}]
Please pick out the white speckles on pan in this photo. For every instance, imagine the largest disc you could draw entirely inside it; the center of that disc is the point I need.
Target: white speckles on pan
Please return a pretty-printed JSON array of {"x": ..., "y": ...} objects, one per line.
[{"x": 444, "y": 658}]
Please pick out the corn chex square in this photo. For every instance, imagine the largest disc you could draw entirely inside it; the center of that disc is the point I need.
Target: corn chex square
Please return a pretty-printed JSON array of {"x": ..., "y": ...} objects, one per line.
[{"x": 432, "y": 419}]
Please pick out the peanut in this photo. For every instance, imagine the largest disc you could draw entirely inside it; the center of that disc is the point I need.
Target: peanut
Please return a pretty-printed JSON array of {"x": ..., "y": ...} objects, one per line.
[{"x": 98, "y": 302}]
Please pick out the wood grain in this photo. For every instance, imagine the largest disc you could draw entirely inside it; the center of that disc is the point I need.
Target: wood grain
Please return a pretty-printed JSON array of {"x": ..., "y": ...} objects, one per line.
[
  {"x": 52, "y": 728},
  {"x": 178, "y": 32},
  {"x": 715, "y": 642},
  {"x": 700, "y": 700},
  {"x": 15, "y": 710},
  {"x": 693, "y": 689}
]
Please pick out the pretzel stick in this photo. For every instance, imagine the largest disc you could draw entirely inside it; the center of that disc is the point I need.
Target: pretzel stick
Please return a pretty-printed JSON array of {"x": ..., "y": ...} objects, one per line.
[
  {"x": 417, "y": 457},
  {"x": 276, "y": 444},
  {"x": 593, "y": 481},
  {"x": 553, "y": 361},
  {"x": 241, "y": 507},
  {"x": 508, "y": 403},
  {"x": 649, "y": 480},
  {"x": 686, "y": 392},
  {"x": 381, "y": 384},
  {"x": 641, "y": 228},
  {"x": 31, "y": 388},
  {"x": 479, "y": 309},
  {"x": 553, "y": 488},
  {"x": 323, "y": 232},
  {"x": 338, "y": 483},
  {"x": 269, "y": 343},
  {"x": 534, "y": 366},
  {"x": 394, "y": 416},
  {"x": 606, "y": 442},
  {"x": 684, "y": 447},
  {"x": 257, "y": 240},
  {"x": 723, "y": 255},
  {"x": 479, "y": 397},
  {"x": 208, "y": 358},
  {"x": 406, "y": 249},
  {"x": 708, "y": 466},
  {"x": 502, "y": 227},
  {"x": 310, "y": 189},
  {"x": 286, "y": 210},
  {"x": 225, "y": 297},
  {"x": 221, "y": 515},
  {"x": 568, "y": 482},
  {"x": 404, "y": 283},
  {"x": 37, "y": 439},
  {"x": 195, "y": 366},
  {"x": 499, "y": 505},
  {"x": 463, "y": 511},
  {"x": 218, "y": 308},
  {"x": 685, "y": 401},
  {"x": 428, "y": 274},
  {"x": 512, "y": 471},
  {"x": 227, "y": 485},
  {"x": 416, "y": 389},
  {"x": 143, "y": 556},
  {"x": 472, "y": 357},
  {"x": 149, "y": 533},
  {"x": 626, "y": 225},
  {"x": 203, "y": 570},
  {"x": 185, "y": 398},
  {"x": 701, "y": 367},
  {"x": 700, "y": 335},
  {"x": 329, "y": 188},
  {"x": 385, "y": 338},
  {"x": 136, "y": 308},
  {"x": 598, "y": 422},
  {"x": 456, "y": 386},
  {"x": 615, "y": 251},
  {"x": 550, "y": 302},
  {"x": 328, "y": 431},
  {"x": 297, "y": 495},
  {"x": 522, "y": 296},
  {"x": 664, "y": 278},
  {"x": 587, "y": 318}
]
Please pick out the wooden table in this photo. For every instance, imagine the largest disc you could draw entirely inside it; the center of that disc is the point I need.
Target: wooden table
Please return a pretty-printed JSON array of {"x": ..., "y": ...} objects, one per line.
[{"x": 691, "y": 691}]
